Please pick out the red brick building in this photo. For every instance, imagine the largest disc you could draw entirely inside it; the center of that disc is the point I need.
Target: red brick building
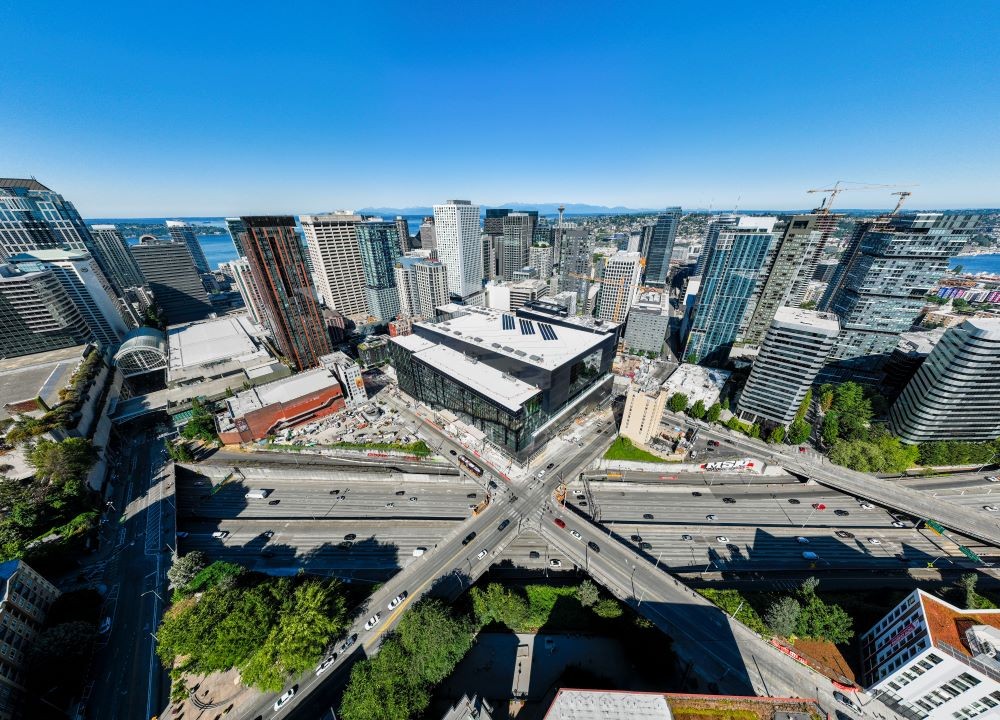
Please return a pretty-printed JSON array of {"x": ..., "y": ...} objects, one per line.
[{"x": 266, "y": 410}]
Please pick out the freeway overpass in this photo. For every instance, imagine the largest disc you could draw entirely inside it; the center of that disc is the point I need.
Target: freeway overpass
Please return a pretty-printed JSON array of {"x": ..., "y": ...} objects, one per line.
[{"x": 888, "y": 493}]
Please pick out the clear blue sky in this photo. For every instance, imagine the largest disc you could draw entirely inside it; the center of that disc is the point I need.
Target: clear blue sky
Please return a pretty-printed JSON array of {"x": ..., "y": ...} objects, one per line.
[{"x": 149, "y": 109}]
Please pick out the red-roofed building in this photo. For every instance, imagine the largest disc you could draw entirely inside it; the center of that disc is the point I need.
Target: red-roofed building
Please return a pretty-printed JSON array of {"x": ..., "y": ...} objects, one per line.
[{"x": 930, "y": 659}]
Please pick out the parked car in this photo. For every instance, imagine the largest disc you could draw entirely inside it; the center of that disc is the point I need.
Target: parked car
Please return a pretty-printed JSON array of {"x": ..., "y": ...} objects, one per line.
[
  {"x": 990, "y": 508},
  {"x": 268, "y": 534},
  {"x": 105, "y": 625},
  {"x": 993, "y": 478},
  {"x": 866, "y": 506},
  {"x": 898, "y": 524},
  {"x": 845, "y": 700},
  {"x": 373, "y": 621},
  {"x": 645, "y": 546},
  {"x": 534, "y": 555},
  {"x": 635, "y": 538},
  {"x": 283, "y": 700},
  {"x": 400, "y": 493},
  {"x": 350, "y": 536},
  {"x": 809, "y": 555}
]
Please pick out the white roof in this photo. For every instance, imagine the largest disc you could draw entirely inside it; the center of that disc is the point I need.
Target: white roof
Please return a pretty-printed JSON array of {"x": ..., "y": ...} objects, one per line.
[
  {"x": 223, "y": 339},
  {"x": 283, "y": 390},
  {"x": 821, "y": 322},
  {"x": 484, "y": 327},
  {"x": 608, "y": 705},
  {"x": 490, "y": 382},
  {"x": 697, "y": 382}
]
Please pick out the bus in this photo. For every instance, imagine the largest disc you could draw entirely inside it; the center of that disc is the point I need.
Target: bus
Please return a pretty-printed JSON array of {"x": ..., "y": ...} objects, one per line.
[{"x": 470, "y": 466}]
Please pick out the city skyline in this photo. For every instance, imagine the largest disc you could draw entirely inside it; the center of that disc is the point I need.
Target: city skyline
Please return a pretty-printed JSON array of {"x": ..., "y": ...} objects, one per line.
[{"x": 654, "y": 107}]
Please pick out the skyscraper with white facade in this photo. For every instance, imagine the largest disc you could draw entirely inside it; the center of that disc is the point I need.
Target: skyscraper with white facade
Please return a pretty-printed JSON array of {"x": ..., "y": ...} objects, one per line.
[
  {"x": 795, "y": 349},
  {"x": 36, "y": 314},
  {"x": 336, "y": 259},
  {"x": 456, "y": 227},
  {"x": 123, "y": 272},
  {"x": 955, "y": 394},
  {"x": 540, "y": 258},
  {"x": 732, "y": 275},
  {"x": 247, "y": 287},
  {"x": 622, "y": 272},
  {"x": 181, "y": 232}
]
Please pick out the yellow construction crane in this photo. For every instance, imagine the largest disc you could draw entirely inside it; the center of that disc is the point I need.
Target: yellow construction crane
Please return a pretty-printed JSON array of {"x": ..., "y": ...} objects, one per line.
[{"x": 838, "y": 187}]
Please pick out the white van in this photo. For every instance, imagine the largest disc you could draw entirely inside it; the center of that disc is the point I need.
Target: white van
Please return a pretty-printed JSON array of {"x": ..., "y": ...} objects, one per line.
[{"x": 259, "y": 494}]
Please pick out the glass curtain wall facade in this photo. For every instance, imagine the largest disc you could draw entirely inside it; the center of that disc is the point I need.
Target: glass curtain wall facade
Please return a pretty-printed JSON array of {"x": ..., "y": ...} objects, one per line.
[
  {"x": 661, "y": 246},
  {"x": 379, "y": 243}
]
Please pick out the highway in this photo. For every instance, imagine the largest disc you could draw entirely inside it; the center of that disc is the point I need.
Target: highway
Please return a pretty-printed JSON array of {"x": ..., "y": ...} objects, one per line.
[{"x": 980, "y": 524}]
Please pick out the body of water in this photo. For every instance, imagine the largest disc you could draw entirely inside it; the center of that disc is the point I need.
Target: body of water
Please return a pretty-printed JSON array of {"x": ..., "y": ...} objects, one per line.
[{"x": 978, "y": 263}]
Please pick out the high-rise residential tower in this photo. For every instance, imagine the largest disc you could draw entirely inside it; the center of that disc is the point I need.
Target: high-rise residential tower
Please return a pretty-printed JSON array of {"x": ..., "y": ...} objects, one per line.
[
  {"x": 432, "y": 287},
  {"x": 278, "y": 263},
  {"x": 124, "y": 273},
  {"x": 540, "y": 258},
  {"x": 181, "y": 232},
  {"x": 403, "y": 228},
  {"x": 518, "y": 229},
  {"x": 715, "y": 226},
  {"x": 954, "y": 394},
  {"x": 336, "y": 257},
  {"x": 171, "y": 274},
  {"x": 85, "y": 285},
  {"x": 379, "y": 245},
  {"x": 896, "y": 262},
  {"x": 456, "y": 225},
  {"x": 661, "y": 246},
  {"x": 622, "y": 272},
  {"x": 731, "y": 276},
  {"x": 794, "y": 262},
  {"x": 247, "y": 286},
  {"x": 236, "y": 229},
  {"x": 795, "y": 349},
  {"x": 427, "y": 234},
  {"x": 36, "y": 314}
]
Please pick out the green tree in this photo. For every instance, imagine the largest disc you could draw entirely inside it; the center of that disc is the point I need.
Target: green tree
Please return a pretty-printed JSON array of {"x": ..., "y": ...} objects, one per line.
[
  {"x": 185, "y": 567},
  {"x": 608, "y": 608},
  {"x": 808, "y": 305},
  {"x": 783, "y": 616},
  {"x": 201, "y": 426},
  {"x": 824, "y": 621},
  {"x": 830, "y": 429},
  {"x": 678, "y": 402},
  {"x": 499, "y": 604},
  {"x": 317, "y": 613},
  {"x": 967, "y": 582},
  {"x": 799, "y": 431},
  {"x": 587, "y": 593},
  {"x": 714, "y": 411},
  {"x": 380, "y": 688},
  {"x": 725, "y": 403},
  {"x": 697, "y": 410},
  {"x": 777, "y": 435},
  {"x": 64, "y": 464},
  {"x": 179, "y": 452},
  {"x": 691, "y": 358},
  {"x": 434, "y": 639},
  {"x": 825, "y": 397},
  {"x": 961, "y": 305},
  {"x": 755, "y": 431},
  {"x": 804, "y": 405}
]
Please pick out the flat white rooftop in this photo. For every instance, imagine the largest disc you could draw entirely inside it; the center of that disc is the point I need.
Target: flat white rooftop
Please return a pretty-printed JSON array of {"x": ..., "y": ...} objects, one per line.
[
  {"x": 821, "y": 322},
  {"x": 490, "y": 382},
  {"x": 531, "y": 341},
  {"x": 697, "y": 382},
  {"x": 209, "y": 341},
  {"x": 608, "y": 705},
  {"x": 283, "y": 390}
]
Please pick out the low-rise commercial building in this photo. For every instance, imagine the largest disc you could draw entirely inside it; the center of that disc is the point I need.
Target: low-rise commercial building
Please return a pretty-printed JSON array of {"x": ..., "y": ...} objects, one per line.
[
  {"x": 228, "y": 346},
  {"x": 259, "y": 412},
  {"x": 374, "y": 351},
  {"x": 929, "y": 659},
  {"x": 953, "y": 396},
  {"x": 25, "y": 599}
]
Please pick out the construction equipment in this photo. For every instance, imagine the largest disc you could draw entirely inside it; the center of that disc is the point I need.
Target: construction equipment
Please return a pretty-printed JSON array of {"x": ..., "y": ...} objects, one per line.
[
  {"x": 903, "y": 194},
  {"x": 561, "y": 494},
  {"x": 838, "y": 187}
]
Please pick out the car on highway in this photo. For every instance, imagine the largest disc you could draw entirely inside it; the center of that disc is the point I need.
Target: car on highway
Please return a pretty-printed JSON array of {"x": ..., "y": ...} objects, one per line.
[
  {"x": 593, "y": 546},
  {"x": 818, "y": 506},
  {"x": 647, "y": 516},
  {"x": 581, "y": 503},
  {"x": 575, "y": 534},
  {"x": 687, "y": 538},
  {"x": 845, "y": 700},
  {"x": 482, "y": 553},
  {"x": 268, "y": 534},
  {"x": 220, "y": 534},
  {"x": 373, "y": 621},
  {"x": 713, "y": 443},
  {"x": 711, "y": 516},
  {"x": 990, "y": 508},
  {"x": 993, "y": 478},
  {"x": 469, "y": 538},
  {"x": 471, "y": 496},
  {"x": 341, "y": 497},
  {"x": 534, "y": 555},
  {"x": 729, "y": 500},
  {"x": 413, "y": 498},
  {"x": 874, "y": 541},
  {"x": 400, "y": 493},
  {"x": 696, "y": 494},
  {"x": 802, "y": 540},
  {"x": 809, "y": 555},
  {"x": 390, "y": 505},
  {"x": 325, "y": 665},
  {"x": 645, "y": 545},
  {"x": 394, "y": 603},
  {"x": 898, "y": 524},
  {"x": 283, "y": 700},
  {"x": 581, "y": 496},
  {"x": 722, "y": 538},
  {"x": 418, "y": 551},
  {"x": 794, "y": 501},
  {"x": 635, "y": 538},
  {"x": 344, "y": 544},
  {"x": 453, "y": 452},
  {"x": 550, "y": 466},
  {"x": 732, "y": 548},
  {"x": 841, "y": 513},
  {"x": 504, "y": 524},
  {"x": 105, "y": 625},
  {"x": 350, "y": 536},
  {"x": 273, "y": 502},
  {"x": 844, "y": 534},
  {"x": 348, "y": 642},
  {"x": 335, "y": 492},
  {"x": 555, "y": 562},
  {"x": 493, "y": 484},
  {"x": 866, "y": 506},
  {"x": 560, "y": 523}
]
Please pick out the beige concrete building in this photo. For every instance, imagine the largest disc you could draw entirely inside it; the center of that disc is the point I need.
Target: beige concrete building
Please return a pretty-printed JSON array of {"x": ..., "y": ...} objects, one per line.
[
  {"x": 643, "y": 410},
  {"x": 336, "y": 258}
]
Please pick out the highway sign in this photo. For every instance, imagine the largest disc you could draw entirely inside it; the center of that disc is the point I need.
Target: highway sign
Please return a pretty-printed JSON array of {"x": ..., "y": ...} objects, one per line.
[
  {"x": 969, "y": 554},
  {"x": 935, "y": 526}
]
